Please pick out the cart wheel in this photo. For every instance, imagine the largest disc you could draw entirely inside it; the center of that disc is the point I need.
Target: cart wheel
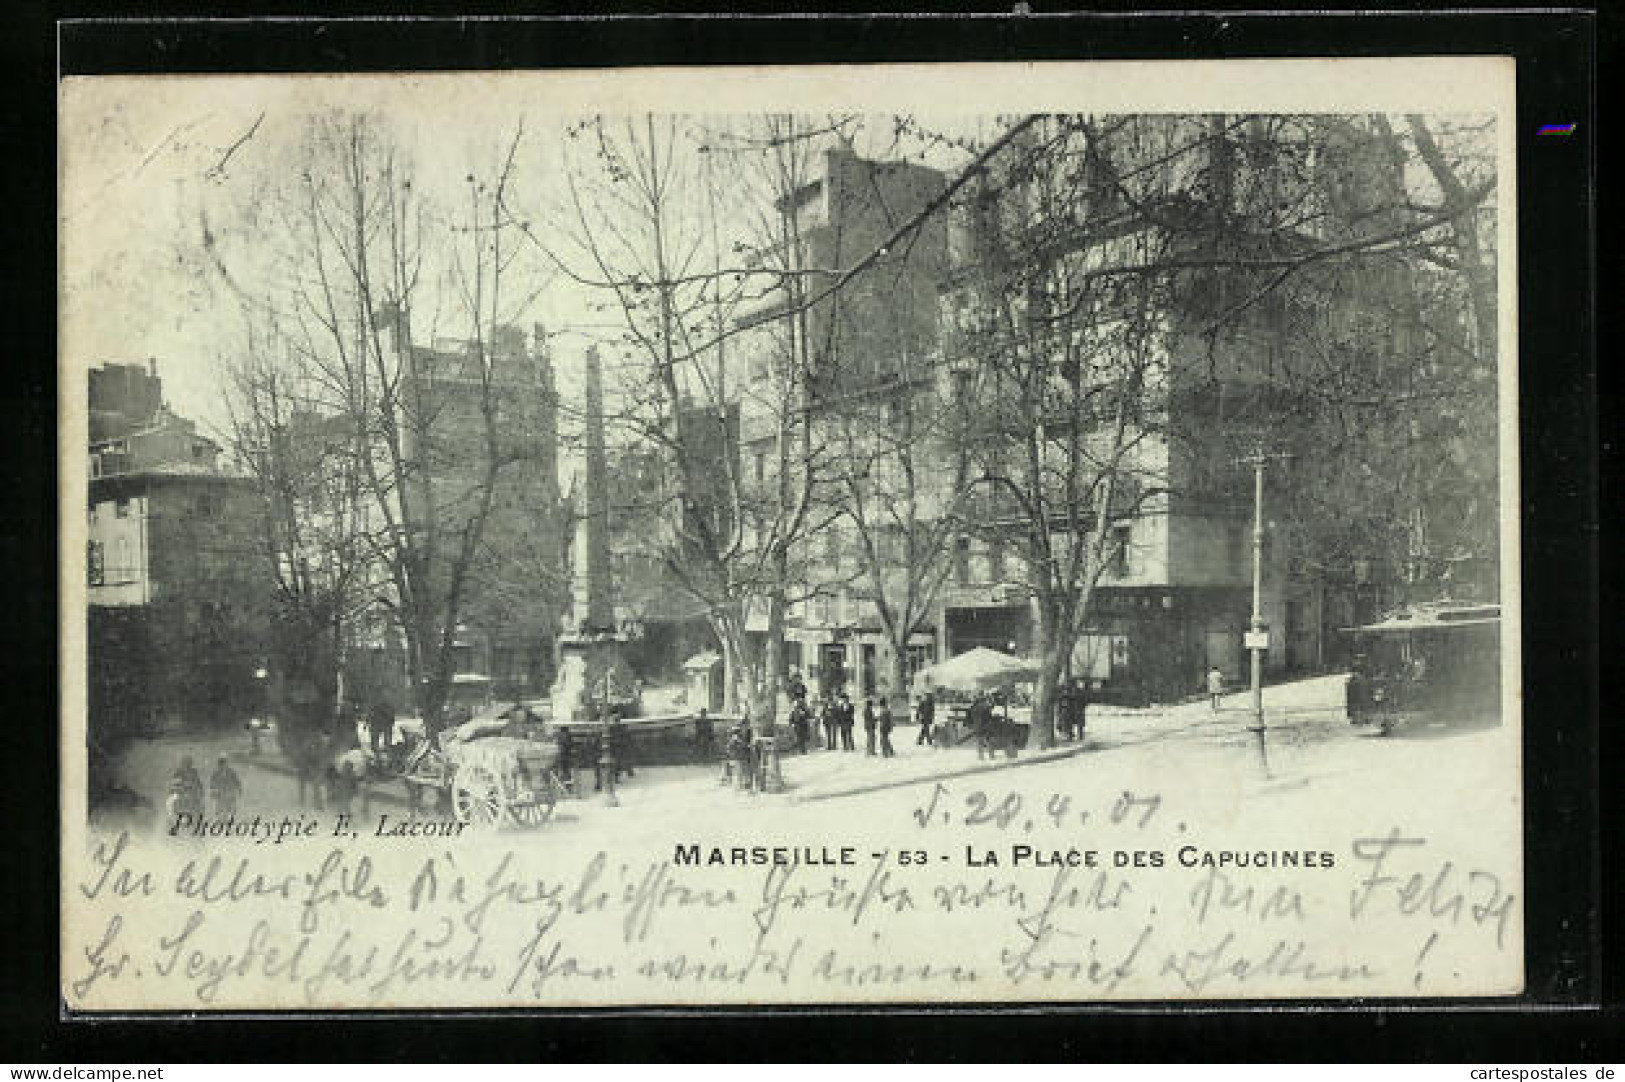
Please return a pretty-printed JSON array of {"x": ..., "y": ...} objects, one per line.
[
  {"x": 541, "y": 810},
  {"x": 533, "y": 815},
  {"x": 476, "y": 798}
]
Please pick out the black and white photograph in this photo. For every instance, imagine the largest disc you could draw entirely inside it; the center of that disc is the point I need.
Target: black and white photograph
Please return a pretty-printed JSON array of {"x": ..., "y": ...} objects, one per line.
[{"x": 939, "y": 533}]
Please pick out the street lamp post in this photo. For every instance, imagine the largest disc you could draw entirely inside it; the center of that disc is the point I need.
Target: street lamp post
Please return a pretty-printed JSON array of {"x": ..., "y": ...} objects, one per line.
[
  {"x": 1258, "y": 612},
  {"x": 1256, "y": 638},
  {"x": 606, "y": 748}
]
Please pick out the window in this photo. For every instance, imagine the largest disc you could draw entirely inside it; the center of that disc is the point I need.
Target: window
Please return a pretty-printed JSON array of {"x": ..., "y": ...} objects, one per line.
[
  {"x": 962, "y": 560},
  {"x": 995, "y": 561},
  {"x": 1120, "y": 552},
  {"x": 761, "y": 467},
  {"x": 122, "y": 507},
  {"x": 98, "y": 564}
]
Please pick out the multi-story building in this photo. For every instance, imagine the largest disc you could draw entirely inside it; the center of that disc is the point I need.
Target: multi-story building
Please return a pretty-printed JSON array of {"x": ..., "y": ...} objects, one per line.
[
  {"x": 177, "y": 594},
  {"x": 870, "y": 349},
  {"x": 1173, "y": 595},
  {"x": 516, "y": 586}
]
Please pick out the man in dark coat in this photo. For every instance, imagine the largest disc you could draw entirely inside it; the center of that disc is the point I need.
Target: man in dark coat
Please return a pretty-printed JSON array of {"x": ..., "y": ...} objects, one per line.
[
  {"x": 800, "y": 724},
  {"x": 980, "y": 719},
  {"x": 830, "y": 714},
  {"x": 567, "y": 757},
  {"x": 1080, "y": 708},
  {"x": 704, "y": 736},
  {"x": 1066, "y": 710},
  {"x": 185, "y": 790},
  {"x": 849, "y": 719},
  {"x": 868, "y": 726},
  {"x": 886, "y": 749},
  {"x": 742, "y": 753},
  {"x": 927, "y": 713},
  {"x": 225, "y": 787},
  {"x": 381, "y": 727}
]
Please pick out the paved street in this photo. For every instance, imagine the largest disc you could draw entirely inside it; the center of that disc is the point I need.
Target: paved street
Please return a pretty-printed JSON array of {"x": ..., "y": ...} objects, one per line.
[{"x": 1309, "y": 740}]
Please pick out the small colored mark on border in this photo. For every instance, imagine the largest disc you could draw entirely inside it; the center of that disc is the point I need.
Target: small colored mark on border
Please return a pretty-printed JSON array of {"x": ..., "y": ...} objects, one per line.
[{"x": 1556, "y": 129}]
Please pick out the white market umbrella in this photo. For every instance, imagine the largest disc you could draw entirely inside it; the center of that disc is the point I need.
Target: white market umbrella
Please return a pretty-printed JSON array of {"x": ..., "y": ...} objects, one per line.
[{"x": 976, "y": 670}]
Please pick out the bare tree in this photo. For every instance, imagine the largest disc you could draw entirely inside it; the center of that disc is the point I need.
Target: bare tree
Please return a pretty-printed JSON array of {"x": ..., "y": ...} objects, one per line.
[
  {"x": 689, "y": 296},
  {"x": 902, "y": 487},
  {"x": 315, "y": 543},
  {"x": 1123, "y": 257},
  {"x": 430, "y": 430}
]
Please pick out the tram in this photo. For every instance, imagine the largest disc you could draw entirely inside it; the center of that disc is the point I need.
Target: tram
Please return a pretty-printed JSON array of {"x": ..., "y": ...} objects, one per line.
[{"x": 1437, "y": 663}]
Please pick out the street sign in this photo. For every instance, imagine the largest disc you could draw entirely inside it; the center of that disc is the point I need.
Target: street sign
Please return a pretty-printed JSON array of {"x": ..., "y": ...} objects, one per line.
[{"x": 1256, "y": 640}]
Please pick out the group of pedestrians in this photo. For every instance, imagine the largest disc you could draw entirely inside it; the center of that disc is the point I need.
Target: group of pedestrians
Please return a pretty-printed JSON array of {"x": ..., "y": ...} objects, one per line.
[
  {"x": 186, "y": 793},
  {"x": 836, "y": 715}
]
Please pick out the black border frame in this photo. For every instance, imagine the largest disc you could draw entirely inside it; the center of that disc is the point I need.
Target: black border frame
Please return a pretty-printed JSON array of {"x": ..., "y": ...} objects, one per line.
[{"x": 1563, "y": 869}]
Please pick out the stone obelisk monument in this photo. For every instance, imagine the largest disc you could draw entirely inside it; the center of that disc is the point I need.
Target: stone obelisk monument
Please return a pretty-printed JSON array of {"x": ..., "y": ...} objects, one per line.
[{"x": 592, "y": 670}]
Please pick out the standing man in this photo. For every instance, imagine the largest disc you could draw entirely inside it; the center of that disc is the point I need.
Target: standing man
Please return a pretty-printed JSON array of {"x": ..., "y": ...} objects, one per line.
[
  {"x": 829, "y": 713},
  {"x": 868, "y": 727},
  {"x": 381, "y": 728},
  {"x": 225, "y": 787},
  {"x": 980, "y": 719},
  {"x": 567, "y": 758},
  {"x": 799, "y": 724},
  {"x": 185, "y": 790},
  {"x": 927, "y": 712},
  {"x": 1215, "y": 686},
  {"x": 704, "y": 736},
  {"x": 886, "y": 750},
  {"x": 849, "y": 719},
  {"x": 740, "y": 749}
]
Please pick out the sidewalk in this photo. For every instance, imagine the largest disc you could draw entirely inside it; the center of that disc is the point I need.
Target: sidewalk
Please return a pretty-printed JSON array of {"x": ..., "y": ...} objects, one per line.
[
  {"x": 1300, "y": 715},
  {"x": 826, "y": 775}
]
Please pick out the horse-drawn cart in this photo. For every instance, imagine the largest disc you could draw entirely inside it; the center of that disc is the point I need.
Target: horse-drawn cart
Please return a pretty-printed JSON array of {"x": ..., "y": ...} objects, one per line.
[{"x": 488, "y": 779}]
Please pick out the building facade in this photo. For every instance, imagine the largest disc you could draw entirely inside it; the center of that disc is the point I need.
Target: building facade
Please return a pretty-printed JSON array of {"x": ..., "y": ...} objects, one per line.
[
  {"x": 177, "y": 597},
  {"x": 872, "y": 351},
  {"x": 1166, "y": 272},
  {"x": 516, "y": 581}
]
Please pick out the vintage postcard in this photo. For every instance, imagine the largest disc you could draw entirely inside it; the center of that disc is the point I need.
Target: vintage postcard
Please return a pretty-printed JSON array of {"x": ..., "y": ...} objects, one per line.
[{"x": 826, "y": 535}]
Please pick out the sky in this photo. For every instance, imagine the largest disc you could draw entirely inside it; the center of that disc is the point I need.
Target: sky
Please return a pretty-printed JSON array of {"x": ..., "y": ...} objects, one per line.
[
  {"x": 148, "y": 163},
  {"x": 149, "y": 169}
]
